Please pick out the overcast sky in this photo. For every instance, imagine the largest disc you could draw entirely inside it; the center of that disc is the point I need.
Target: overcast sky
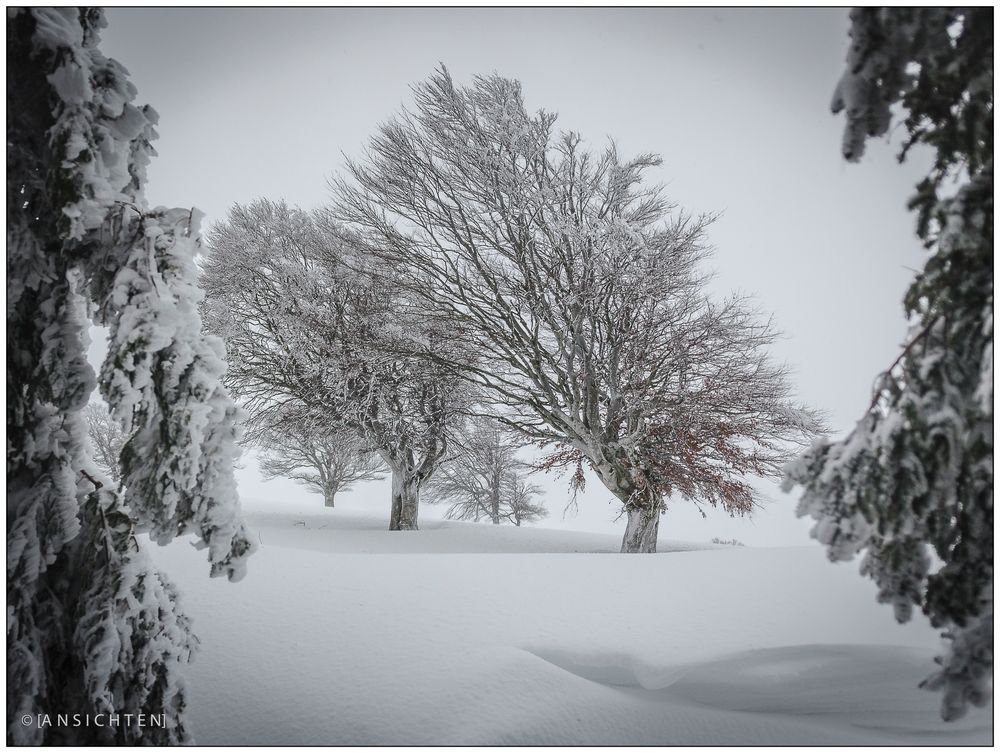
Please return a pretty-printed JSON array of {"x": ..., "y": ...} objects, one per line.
[{"x": 264, "y": 102}]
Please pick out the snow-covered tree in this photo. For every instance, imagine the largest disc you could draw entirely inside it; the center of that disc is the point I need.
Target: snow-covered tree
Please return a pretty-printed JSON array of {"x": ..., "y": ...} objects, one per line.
[
  {"x": 484, "y": 478},
  {"x": 92, "y": 627},
  {"x": 521, "y": 505},
  {"x": 107, "y": 438},
  {"x": 324, "y": 460},
  {"x": 309, "y": 328},
  {"x": 579, "y": 292},
  {"x": 911, "y": 486}
]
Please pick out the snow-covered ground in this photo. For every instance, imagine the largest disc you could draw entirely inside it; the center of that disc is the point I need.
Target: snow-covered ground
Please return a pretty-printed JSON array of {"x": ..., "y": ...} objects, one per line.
[{"x": 462, "y": 633}]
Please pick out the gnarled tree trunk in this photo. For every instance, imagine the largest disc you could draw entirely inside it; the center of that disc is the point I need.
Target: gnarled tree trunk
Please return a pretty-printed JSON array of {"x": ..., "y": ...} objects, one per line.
[
  {"x": 409, "y": 471},
  {"x": 642, "y": 506},
  {"x": 405, "y": 499},
  {"x": 642, "y": 528}
]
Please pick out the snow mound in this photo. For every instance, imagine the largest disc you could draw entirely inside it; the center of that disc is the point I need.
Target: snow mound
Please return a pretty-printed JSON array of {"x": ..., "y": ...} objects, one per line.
[
  {"x": 861, "y": 687},
  {"x": 352, "y": 635}
]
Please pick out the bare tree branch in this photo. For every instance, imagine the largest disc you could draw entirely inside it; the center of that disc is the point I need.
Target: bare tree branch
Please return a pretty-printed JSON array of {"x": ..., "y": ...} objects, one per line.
[
  {"x": 573, "y": 295},
  {"x": 308, "y": 333},
  {"x": 484, "y": 478}
]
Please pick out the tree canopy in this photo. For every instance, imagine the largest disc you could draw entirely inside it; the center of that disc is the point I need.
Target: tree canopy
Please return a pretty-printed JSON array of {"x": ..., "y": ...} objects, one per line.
[{"x": 578, "y": 290}]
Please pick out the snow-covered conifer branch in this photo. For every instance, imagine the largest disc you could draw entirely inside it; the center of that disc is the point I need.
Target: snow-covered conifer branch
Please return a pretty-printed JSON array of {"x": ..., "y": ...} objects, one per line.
[
  {"x": 915, "y": 475},
  {"x": 91, "y": 624}
]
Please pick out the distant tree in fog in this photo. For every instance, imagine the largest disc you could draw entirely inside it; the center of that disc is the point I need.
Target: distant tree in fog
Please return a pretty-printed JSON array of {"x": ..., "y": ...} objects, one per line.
[
  {"x": 107, "y": 438},
  {"x": 521, "y": 506},
  {"x": 484, "y": 479},
  {"x": 324, "y": 460}
]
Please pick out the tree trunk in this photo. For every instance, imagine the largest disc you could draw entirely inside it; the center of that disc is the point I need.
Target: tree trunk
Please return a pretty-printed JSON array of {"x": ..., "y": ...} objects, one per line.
[
  {"x": 641, "y": 506},
  {"x": 405, "y": 497},
  {"x": 328, "y": 498},
  {"x": 643, "y": 525}
]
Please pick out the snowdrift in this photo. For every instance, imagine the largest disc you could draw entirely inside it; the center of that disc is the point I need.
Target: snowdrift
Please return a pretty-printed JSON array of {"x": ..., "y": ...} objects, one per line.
[{"x": 344, "y": 633}]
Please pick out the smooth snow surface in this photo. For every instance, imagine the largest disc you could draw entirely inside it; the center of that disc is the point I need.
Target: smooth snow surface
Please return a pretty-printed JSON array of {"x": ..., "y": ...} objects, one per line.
[{"x": 345, "y": 633}]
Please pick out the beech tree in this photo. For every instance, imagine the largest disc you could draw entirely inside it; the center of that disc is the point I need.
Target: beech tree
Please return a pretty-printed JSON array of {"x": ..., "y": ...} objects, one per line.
[
  {"x": 92, "y": 626},
  {"x": 309, "y": 328},
  {"x": 324, "y": 460},
  {"x": 915, "y": 475},
  {"x": 484, "y": 478},
  {"x": 521, "y": 505},
  {"x": 580, "y": 292}
]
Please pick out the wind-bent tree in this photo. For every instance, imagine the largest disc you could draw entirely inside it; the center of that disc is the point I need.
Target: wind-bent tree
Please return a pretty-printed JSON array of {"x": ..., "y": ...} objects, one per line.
[
  {"x": 916, "y": 473},
  {"x": 107, "y": 438},
  {"x": 324, "y": 460},
  {"x": 92, "y": 627},
  {"x": 484, "y": 479},
  {"x": 579, "y": 291},
  {"x": 307, "y": 330}
]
